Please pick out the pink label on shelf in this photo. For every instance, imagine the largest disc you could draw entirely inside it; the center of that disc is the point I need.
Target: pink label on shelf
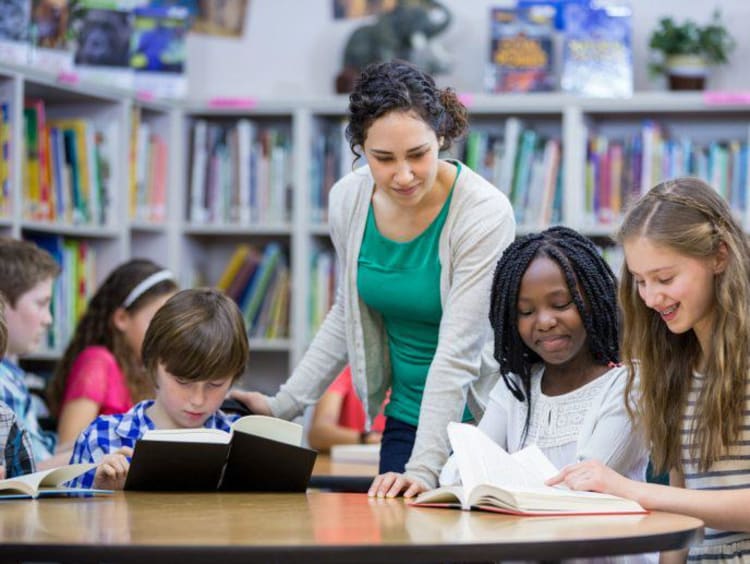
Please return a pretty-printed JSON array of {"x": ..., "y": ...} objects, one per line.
[
  {"x": 466, "y": 98},
  {"x": 719, "y": 98},
  {"x": 67, "y": 77},
  {"x": 145, "y": 96},
  {"x": 244, "y": 103}
]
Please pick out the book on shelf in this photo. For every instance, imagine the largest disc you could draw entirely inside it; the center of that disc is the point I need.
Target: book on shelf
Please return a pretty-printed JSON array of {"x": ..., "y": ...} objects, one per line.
[
  {"x": 47, "y": 483},
  {"x": 260, "y": 454},
  {"x": 493, "y": 480},
  {"x": 597, "y": 50},
  {"x": 521, "y": 50}
]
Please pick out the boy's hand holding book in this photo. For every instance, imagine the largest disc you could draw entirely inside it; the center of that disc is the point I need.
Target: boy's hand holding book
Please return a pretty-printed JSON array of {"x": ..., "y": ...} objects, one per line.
[{"x": 113, "y": 470}]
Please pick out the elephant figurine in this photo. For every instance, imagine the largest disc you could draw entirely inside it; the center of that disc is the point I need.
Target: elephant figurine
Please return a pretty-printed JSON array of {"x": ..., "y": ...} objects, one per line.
[{"x": 405, "y": 33}]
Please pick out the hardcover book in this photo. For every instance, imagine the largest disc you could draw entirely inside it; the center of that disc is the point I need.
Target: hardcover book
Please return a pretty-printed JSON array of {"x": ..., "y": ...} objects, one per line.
[{"x": 260, "y": 454}]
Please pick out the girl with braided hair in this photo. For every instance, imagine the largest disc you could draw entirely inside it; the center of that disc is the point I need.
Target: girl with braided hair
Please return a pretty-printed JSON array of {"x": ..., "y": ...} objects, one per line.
[
  {"x": 416, "y": 238},
  {"x": 685, "y": 295},
  {"x": 101, "y": 371},
  {"x": 554, "y": 312}
]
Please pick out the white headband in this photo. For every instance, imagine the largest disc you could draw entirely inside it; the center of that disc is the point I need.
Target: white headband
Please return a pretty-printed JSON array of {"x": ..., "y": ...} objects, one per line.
[{"x": 145, "y": 285}]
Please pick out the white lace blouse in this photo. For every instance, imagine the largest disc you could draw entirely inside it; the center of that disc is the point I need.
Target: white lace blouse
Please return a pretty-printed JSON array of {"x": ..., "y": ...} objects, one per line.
[{"x": 589, "y": 422}]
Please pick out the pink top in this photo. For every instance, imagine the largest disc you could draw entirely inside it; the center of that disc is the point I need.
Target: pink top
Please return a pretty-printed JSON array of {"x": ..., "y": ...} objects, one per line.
[
  {"x": 95, "y": 375},
  {"x": 352, "y": 412}
]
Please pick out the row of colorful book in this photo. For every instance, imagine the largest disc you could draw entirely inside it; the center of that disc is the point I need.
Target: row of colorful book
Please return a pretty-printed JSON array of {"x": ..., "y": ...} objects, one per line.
[
  {"x": 148, "y": 172},
  {"x": 259, "y": 281},
  {"x": 322, "y": 287},
  {"x": 331, "y": 160},
  {"x": 524, "y": 164},
  {"x": 66, "y": 167},
  {"x": 72, "y": 289},
  {"x": 620, "y": 169},
  {"x": 241, "y": 173},
  {"x": 5, "y": 137}
]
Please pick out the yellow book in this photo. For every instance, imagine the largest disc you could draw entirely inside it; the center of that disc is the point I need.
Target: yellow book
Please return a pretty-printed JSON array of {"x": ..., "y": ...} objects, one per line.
[{"x": 233, "y": 267}]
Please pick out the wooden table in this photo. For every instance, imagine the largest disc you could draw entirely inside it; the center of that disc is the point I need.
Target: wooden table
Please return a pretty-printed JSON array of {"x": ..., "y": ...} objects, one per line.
[
  {"x": 324, "y": 465},
  {"x": 317, "y": 526}
]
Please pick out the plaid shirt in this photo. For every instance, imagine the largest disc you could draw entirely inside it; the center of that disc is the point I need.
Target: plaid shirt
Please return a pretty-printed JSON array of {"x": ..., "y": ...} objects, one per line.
[
  {"x": 15, "y": 393},
  {"x": 15, "y": 443},
  {"x": 109, "y": 433}
]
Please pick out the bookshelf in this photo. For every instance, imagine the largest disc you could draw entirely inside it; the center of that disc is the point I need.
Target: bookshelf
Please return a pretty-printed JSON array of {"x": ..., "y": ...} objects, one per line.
[{"x": 198, "y": 245}]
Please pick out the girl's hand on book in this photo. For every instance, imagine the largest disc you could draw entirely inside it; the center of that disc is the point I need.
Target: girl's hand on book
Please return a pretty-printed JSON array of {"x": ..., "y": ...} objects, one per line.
[
  {"x": 255, "y": 401},
  {"x": 113, "y": 469},
  {"x": 391, "y": 484},
  {"x": 593, "y": 476}
]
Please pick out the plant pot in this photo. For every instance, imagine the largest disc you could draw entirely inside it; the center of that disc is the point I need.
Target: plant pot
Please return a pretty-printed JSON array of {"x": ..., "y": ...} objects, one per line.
[{"x": 686, "y": 72}]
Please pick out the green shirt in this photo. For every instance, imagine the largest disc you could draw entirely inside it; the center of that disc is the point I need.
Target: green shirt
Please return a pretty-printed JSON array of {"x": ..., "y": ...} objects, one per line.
[{"x": 401, "y": 281}]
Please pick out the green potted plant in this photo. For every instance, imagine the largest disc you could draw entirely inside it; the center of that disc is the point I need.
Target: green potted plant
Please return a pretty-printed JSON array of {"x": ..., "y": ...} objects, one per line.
[{"x": 688, "y": 50}]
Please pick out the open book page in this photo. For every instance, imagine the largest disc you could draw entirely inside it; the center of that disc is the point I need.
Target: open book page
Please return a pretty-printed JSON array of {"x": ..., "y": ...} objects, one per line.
[
  {"x": 198, "y": 435},
  {"x": 533, "y": 462},
  {"x": 481, "y": 460},
  {"x": 31, "y": 483},
  {"x": 270, "y": 428}
]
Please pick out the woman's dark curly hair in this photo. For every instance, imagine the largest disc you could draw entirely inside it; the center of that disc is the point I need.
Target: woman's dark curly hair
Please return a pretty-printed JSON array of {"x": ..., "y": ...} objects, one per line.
[
  {"x": 397, "y": 86},
  {"x": 591, "y": 283}
]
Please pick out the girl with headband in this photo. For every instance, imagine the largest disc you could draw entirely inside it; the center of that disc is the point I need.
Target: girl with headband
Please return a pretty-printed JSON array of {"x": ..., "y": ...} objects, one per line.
[{"x": 101, "y": 371}]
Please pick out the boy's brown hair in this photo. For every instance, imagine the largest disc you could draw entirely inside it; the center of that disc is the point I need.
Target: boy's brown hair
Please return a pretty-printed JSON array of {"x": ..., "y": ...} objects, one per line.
[
  {"x": 23, "y": 265},
  {"x": 198, "y": 335}
]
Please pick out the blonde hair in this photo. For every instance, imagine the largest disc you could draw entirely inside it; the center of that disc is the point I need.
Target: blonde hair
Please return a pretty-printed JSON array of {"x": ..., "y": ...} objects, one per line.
[{"x": 689, "y": 217}]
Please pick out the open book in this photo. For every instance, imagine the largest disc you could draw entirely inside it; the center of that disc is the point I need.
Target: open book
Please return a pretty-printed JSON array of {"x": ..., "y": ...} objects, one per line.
[
  {"x": 260, "y": 454},
  {"x": 47, "y": 483},
  {"x": 494, "y": 480}
]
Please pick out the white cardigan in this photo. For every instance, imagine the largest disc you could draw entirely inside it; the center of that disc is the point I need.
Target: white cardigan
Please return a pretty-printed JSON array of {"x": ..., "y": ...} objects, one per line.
[{"x": 478, "y": 227}]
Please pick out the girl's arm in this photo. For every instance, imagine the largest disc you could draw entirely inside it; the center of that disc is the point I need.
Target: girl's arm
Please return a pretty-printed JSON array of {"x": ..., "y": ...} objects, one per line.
[
  {"x": 325, "y": 430},
  {"x": 726, "y": 510},
  {"x": 75, "y": 416}
]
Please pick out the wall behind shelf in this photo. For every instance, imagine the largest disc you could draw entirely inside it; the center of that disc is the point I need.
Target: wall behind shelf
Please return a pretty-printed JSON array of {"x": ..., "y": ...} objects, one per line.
[{"x": 303, "y": 45}]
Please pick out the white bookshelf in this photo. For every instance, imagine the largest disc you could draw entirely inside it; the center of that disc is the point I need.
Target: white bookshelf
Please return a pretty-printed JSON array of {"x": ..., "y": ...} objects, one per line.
[{"x": 198, "y": 252}]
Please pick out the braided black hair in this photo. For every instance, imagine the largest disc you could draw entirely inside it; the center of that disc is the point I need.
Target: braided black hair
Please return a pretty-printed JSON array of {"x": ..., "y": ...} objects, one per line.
[{"x": 583, "y": 268}]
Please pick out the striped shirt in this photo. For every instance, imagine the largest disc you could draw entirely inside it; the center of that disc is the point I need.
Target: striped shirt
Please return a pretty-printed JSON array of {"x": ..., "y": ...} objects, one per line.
[
  {"x": 109, "y": 433},
  {"x": 730, "y": 472}
]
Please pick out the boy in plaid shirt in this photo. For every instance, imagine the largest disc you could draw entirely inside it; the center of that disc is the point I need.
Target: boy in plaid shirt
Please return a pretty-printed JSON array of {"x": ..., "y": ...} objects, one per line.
[{"x": 194, "y": 349}]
